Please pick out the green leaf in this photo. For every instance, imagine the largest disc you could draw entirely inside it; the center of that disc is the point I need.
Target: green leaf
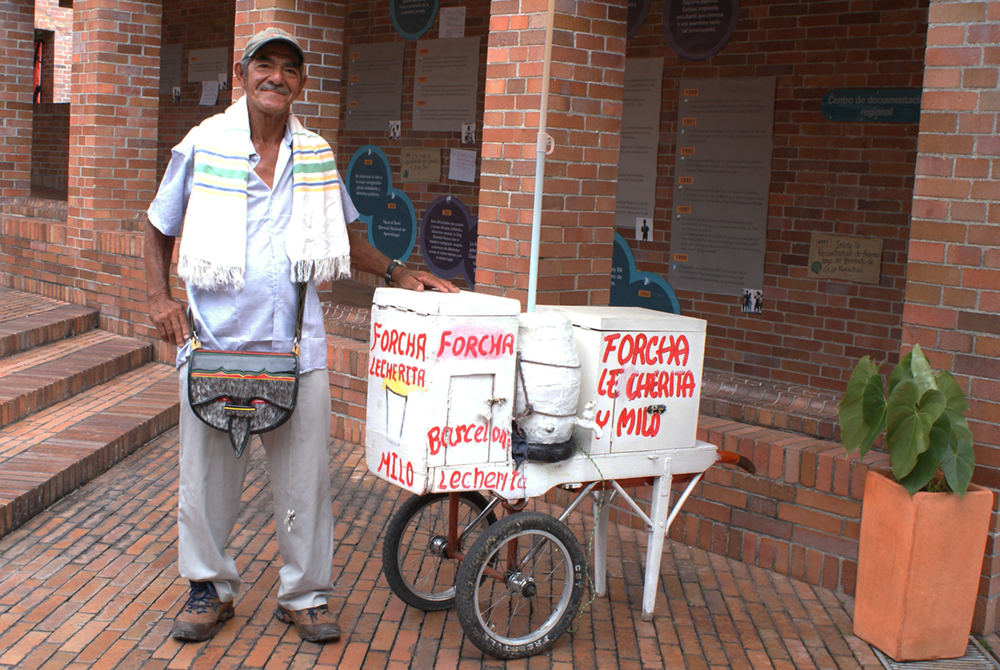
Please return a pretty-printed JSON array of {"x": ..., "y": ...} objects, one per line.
[
  {"x": 955, "y": 406},
  {"x": 928, "y": 462},
  {"x": 953, "y": 393},
  {"x": 901, "y": 372},
  {"x": 908, "y": 424},
  {"x": 920, "y": 368},
  {"x": 958, "y": 462},
  {"x": 861, "y": 420}
]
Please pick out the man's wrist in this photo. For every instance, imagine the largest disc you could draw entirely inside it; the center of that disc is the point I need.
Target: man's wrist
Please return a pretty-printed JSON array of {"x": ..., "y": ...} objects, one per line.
[{"x": 389, "y": 270}]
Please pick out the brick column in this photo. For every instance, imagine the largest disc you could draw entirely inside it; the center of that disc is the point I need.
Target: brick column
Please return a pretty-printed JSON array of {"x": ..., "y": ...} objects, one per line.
[
  {"x": 953, "y": 275},
  {"x": 112, "y": 155},
  {"x": 319, "y": 28},
  {"x": 16, "y": 84},
  {"x": 584, "y": 119}
]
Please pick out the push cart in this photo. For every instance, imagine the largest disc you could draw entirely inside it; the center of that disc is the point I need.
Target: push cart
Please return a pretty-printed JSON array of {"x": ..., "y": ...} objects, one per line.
[{"x": 443, "y": 372}]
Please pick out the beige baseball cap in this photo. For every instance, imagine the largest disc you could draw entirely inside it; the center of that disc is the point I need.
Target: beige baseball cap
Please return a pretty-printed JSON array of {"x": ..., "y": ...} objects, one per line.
[{"x": 269, "y": 35}]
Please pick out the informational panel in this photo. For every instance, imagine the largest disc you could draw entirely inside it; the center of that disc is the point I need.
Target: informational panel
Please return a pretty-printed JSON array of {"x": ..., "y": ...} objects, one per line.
[
  {"x": 699, "y": 29},
  {"x": 412, "y": 18},
  {"x": 374, "y": 85},
  {"x": 447, "y": 87},
  {"x": 447, "y": 239},
  {"x": 208, "y": 64},
  {"x": 393, "y": 228},
  {"x": 640, "y": 141},
  {"x": 856, "y": 259},
  {"x": 389, "y": 213},
  {"x": 631, "y": 288},
  {"x": 170, "y": 67},
  {"x": 722, "y": 179},
  {"x": 637, "y": 11}
]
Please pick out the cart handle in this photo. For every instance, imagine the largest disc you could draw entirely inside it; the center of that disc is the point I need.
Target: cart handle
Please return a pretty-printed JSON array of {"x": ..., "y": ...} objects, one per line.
[{"x": 740, "y": 461}]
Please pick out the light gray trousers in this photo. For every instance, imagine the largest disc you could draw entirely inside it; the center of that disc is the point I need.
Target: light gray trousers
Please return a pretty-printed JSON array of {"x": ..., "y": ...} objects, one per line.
[{"x": 211, "y": 483}]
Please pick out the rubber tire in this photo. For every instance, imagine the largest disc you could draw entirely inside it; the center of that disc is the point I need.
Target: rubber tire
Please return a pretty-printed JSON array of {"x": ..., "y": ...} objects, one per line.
[
  {"x": 393, "y": 553},
  {"x": 490, "y": 548}
]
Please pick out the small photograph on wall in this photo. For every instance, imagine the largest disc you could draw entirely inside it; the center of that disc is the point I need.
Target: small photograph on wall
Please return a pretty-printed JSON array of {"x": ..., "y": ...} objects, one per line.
[
  {"x": 643, "y": 229},
  {"x": 752, "y": 301}
]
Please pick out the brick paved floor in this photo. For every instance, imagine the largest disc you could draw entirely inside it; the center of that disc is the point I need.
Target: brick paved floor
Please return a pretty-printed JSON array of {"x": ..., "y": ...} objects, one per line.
[{"x": 92, "y": 583}]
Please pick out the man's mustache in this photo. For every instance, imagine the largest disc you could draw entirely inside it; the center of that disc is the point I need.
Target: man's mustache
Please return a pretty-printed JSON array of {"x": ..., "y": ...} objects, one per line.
[{"x": 276, "y": 89}]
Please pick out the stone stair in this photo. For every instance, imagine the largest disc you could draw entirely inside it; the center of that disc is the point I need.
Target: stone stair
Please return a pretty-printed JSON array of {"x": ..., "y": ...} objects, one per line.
[{"x": 74, "y": 400}]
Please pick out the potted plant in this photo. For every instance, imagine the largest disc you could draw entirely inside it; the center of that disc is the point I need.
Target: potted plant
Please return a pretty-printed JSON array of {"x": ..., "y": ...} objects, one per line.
[{"x": 923, "y": 526}]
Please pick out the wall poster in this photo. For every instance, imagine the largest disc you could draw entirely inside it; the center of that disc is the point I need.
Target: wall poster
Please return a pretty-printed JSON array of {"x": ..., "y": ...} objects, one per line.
[
  {"x": 374, "y": 85},
  {"x": 722, "y": 177},
  {"x": 447, "y": 88},
  {"x": 640, "y": 141}
]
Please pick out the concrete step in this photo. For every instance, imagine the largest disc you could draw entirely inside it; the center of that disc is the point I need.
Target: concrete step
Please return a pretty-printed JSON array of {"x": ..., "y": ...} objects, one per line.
[
  {"x": 28, "y": 320},
  {"x": 56, "y": 450},
  {"x": 43, "y": 376}
]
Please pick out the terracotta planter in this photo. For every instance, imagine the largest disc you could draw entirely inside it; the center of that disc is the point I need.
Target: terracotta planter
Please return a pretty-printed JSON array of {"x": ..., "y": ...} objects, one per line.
[{"x": 918, "y": 568}]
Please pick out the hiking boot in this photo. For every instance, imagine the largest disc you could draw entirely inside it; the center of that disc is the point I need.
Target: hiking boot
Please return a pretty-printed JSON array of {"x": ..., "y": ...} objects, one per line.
[
  {"x": 315, "y": 624},
  {"x": 203, "y": 614}
]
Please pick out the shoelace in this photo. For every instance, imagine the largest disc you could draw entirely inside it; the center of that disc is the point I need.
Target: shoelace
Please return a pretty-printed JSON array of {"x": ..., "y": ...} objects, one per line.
[
  {"x": 314, "y": 612},
  {"x": 200, "y": 599}
]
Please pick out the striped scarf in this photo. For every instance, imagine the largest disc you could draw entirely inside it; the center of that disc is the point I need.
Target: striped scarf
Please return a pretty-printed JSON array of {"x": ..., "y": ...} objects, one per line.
[{"x": 213, "y": 245}]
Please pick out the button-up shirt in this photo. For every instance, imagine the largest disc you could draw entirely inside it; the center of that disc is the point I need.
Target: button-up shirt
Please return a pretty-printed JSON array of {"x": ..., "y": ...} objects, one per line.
[{"x": 261, "y": 317}]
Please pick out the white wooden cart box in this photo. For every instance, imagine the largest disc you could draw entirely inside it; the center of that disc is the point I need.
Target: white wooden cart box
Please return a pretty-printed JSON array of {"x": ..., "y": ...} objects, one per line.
[
  {"x": 643, "y": 370},
  {"x": 440, "y": 389}
]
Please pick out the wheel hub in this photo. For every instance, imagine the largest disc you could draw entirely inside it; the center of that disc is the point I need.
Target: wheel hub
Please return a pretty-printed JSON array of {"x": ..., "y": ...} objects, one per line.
[
  {"x": 521, "y": 585},
  {"x": 438, "y": 545}
]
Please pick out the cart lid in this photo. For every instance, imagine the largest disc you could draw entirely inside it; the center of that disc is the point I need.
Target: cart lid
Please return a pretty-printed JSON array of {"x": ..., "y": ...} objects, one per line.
[
  {"x": 606, "y": 318},
  {"x": 436, "y": 303}
]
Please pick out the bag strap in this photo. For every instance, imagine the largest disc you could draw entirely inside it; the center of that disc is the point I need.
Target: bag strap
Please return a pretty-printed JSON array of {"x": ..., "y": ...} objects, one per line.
[{"x": 300, "y": 310}]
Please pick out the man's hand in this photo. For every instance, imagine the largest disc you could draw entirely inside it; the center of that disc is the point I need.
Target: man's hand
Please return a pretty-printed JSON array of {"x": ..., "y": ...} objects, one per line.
[
  {"x": 367, "y": 258},
  {"x": 166, "y": 313},
  {"x": 169, "y": 318},
  {"x": 418, "y": 280}
]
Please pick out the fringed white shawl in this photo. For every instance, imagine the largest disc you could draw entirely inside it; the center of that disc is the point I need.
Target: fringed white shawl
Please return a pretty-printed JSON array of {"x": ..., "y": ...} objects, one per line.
[{"x": 213, "y": 244}]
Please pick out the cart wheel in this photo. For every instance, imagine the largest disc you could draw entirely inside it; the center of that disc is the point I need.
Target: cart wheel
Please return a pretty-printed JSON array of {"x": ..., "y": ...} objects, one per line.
[
  {"x": 413, "y": 550},
  {"x": 543, "y": 568}
]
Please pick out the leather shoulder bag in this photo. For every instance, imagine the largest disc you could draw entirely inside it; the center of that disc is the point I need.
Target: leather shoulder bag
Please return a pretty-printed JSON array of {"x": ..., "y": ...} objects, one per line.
[{"x": 244, "y": 392}]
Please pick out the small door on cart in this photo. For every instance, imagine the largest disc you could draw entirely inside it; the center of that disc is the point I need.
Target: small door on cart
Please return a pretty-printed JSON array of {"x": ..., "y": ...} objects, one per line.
[
  {"x": 468, "y": 436},
  {"x": 642, "y": 370}
]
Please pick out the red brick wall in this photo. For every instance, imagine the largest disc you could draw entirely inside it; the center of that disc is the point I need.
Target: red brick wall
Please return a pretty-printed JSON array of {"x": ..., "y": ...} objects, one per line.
[
  {"x": 953, "y": 276},
  {"x": 842, "y": 178},
  {"x": 16, "y": 77},
  {"x": 195, "y": 25},
  {"x": 59, "y": 51},
  {"x": 584, "y": 118},
  {"x": 50, "y": 146}
]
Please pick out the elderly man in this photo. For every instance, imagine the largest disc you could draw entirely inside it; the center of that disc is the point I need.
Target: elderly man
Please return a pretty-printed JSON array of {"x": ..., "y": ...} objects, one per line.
[{"x": 262, "y": 207}]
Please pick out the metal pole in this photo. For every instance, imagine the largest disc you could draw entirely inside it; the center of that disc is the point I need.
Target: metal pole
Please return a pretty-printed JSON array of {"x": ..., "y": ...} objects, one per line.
[{"x": 540, "y": 147}]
